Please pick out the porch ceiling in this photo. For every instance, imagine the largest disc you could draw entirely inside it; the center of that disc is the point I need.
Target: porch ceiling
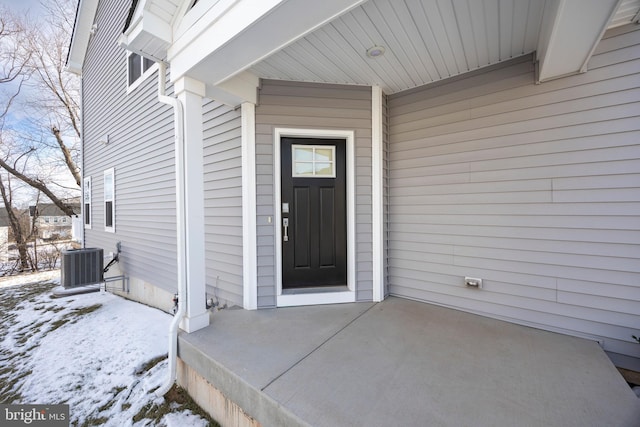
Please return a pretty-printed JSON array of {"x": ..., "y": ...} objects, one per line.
[
  {"x": 424, "y": 41},
  {"x": 430, "y": 40}
]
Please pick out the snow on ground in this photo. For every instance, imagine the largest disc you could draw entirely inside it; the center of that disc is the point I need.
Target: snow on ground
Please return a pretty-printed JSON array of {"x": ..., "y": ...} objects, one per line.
[
  {"x": 99, "y": 353},
  {"x": 51, "y": 275}
]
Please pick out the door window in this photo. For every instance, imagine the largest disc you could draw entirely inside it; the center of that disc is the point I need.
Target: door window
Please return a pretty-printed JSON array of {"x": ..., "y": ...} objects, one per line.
[{"x": 313, "y": 161}]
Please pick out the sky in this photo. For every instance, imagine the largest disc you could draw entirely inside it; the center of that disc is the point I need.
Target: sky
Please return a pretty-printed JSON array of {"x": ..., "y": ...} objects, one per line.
[
  {"x": 31, "y": 5},
  {"x": 16, "y": 115}
]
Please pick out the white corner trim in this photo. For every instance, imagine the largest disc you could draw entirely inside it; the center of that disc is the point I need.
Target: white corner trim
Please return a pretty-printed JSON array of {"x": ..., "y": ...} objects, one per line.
[
  {"x": 323, "y": 297},
  {"x": 249, "y": 238},
  {"x": 377, "y": 200}
]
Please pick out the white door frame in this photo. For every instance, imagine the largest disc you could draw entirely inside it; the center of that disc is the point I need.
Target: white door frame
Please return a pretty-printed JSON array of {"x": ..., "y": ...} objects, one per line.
[{"x": 321, "y": 297}]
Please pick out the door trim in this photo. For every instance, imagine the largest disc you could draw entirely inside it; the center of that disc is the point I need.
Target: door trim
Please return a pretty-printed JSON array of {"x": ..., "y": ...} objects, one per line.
[{"x": 306, "y": 298}]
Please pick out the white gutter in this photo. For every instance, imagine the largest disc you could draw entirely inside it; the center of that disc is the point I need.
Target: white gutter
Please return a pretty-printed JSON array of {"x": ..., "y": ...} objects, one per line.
[{"x": 181, "y": 228}]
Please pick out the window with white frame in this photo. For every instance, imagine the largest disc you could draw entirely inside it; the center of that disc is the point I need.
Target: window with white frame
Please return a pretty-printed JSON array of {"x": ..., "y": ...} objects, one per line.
[
  {"x": 109, "y": 201},
  {"x": 86, "y": 195},
  {"x": 138, "y": 68}
]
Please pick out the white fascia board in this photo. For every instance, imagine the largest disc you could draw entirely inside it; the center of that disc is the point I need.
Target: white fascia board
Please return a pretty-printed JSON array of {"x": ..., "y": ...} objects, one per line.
[
  {"x": 250, "y": 31},
  {"x": 85, "y": 16},
  {"x": 570, "y": 32},
  {"x": 217, "y": 27}
]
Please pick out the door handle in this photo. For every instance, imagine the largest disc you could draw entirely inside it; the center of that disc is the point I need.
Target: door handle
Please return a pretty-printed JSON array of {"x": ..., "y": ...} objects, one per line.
[{"x": 285, "y": 225}]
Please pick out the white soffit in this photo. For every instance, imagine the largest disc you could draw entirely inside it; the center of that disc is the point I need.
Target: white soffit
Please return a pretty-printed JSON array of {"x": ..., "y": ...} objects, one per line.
[
  {"x": 85, "y": 15},
  {"x": 570, "y": 31},
  {"x": 424, "y": 40},
  {"x": 628, "y": 12},
  {"x": 430, "y": 40}
]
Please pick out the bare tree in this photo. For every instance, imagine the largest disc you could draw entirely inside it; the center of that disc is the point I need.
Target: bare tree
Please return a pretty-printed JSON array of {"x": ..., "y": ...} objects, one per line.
[
  {"x": 21, "y": 233},
  {"x": 59, "y": 91},
  {"x": 48, "y": 135},
  {"x": 13, "y": 71}
]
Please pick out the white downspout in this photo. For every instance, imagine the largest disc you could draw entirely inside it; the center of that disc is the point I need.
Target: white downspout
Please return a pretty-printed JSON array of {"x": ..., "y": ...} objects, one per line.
[{"x": 180, "y": 228}]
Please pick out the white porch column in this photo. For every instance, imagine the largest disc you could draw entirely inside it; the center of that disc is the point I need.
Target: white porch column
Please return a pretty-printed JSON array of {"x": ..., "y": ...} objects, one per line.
[
  {"x": 249, "y": 238},
  {"x": 377, "y": 189},
  {"x": 190, "y": 171}
]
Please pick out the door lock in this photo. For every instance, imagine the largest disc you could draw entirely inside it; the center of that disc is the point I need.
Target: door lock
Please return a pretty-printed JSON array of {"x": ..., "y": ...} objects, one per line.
[{"x": 285, "y": 225}]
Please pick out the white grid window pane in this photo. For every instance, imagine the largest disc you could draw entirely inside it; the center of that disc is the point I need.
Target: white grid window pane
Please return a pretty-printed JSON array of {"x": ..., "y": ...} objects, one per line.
[{"x": 313, "y": 161}]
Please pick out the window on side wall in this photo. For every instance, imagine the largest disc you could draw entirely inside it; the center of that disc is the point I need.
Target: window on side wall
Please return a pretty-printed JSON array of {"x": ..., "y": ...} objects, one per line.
[
  {"x": 109, "y": 201},
  {"x": 86, "y": 195},
  {"x": 138, "y": 68}
]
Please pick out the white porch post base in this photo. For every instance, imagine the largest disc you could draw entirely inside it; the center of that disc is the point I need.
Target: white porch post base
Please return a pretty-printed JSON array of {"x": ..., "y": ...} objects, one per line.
[
  {"x": 190, "y": 93},
  {"x": 191, "y": 324}
]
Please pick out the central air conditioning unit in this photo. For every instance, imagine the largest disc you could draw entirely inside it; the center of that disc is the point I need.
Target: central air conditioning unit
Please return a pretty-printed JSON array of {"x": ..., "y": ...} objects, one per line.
[{"x": 81, "y": 267}]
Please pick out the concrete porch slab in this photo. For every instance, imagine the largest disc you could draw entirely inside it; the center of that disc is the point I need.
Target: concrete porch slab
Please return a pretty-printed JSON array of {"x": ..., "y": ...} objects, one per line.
[{"x": 406, "y": 363}]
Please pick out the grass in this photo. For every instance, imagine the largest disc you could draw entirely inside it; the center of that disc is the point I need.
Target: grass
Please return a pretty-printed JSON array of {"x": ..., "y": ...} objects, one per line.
[
  {"x": 85, "y": 310},
  {"x": 11, "y": 374},
  {"x": 13, "y": 297},
  {"x": 73, "y": 315},
  {"x": 176, "y": 399},
  {"x": 8, "y": 391},
  {"x": 150, "y": 364},
  {"x": 90, "y": 422}
]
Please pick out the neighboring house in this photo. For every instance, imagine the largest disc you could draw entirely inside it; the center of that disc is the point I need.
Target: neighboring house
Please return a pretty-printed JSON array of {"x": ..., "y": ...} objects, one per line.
[
  {"x": 51, "y": 222},
  {"x": 340, "y": 150}
]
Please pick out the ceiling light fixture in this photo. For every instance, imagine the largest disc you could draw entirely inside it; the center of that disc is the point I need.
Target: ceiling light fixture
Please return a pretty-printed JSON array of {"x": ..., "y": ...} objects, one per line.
[{"x": 375, "y": 51}]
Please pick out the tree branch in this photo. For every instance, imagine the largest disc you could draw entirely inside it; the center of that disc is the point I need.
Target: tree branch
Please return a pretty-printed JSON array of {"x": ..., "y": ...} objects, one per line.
[
  {"x": 67, "y": 156},
  {"x": 38, "y": 185}
]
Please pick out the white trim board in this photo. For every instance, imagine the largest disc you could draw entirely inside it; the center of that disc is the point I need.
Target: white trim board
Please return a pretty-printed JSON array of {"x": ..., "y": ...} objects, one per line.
[
  {"x": 377, "y": 200},
  {"x": 249, "y": 238},
  {"x": 323, "y": 297}
]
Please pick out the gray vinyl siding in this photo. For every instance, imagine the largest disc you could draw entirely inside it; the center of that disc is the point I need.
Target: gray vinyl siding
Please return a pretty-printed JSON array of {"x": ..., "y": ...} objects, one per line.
[
  {"x": 313, "y": 106},
  {"x": 223, "y": 201},
  {"x": 140, "y": 148},
  {"x": 533, "y": 188}
]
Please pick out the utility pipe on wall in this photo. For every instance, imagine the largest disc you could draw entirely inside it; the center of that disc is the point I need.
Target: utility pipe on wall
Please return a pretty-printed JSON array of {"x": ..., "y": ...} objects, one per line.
[{"x": 180, "y": 227}]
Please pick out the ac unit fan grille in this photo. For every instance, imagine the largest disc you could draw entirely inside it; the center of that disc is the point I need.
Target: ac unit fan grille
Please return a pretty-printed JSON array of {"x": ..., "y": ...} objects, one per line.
[{"x": 81, "y": 267}]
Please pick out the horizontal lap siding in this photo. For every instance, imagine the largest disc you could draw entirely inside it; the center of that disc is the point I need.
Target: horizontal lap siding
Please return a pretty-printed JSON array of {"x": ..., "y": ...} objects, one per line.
[
  {"x": 312, "y": 106},
  {"x": 534, "y": 188},
  {"x": 223, "y": 201},
  {"x": 141, "y": 149}
]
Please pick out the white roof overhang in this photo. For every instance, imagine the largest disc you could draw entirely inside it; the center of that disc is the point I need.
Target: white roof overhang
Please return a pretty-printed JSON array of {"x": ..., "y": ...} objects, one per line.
[
  {"x": 570, "y": 32},
  {"x": 82, "y": 30}
]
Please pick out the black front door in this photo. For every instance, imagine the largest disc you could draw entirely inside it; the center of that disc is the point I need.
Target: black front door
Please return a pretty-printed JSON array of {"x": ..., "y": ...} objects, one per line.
[{"x": 314, "y": 218}]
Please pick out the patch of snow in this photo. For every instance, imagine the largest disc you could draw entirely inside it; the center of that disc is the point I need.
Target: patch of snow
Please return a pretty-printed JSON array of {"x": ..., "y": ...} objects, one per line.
[
  {"x": 87, "y": 351},
  {"x": 26, "y": 278},
  {"x": 184, "y": 419}
]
